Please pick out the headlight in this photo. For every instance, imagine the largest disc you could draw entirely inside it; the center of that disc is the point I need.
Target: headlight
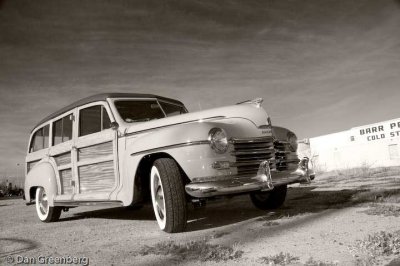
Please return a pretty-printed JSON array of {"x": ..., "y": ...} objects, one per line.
[
  {"x": 218, "y": 140},
  {"x": 292, "y": 139}
]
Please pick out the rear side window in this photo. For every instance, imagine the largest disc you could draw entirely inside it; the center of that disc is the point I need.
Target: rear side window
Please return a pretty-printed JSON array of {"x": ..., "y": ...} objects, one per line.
[
  {"x": 40, "y": 139},
  {"x": 93, "y": 119},
  {"x": 62, "y": 130}
]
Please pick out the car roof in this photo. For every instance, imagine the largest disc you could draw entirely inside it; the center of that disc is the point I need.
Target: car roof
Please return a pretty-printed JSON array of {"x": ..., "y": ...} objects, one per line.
[{"x": 103, "y": 97}]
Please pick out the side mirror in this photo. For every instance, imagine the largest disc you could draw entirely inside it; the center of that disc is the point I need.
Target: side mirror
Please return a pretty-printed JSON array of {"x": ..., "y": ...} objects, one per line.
[{"x": 114, "y": 125}]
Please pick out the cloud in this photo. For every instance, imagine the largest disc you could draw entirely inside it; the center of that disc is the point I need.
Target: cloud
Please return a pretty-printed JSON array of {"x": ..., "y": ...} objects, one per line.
[{"x": 320, "y": 67}]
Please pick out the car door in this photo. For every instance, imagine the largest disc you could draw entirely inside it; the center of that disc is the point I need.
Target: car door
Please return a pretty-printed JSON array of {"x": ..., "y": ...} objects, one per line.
[{"x": 96, "y": 152}]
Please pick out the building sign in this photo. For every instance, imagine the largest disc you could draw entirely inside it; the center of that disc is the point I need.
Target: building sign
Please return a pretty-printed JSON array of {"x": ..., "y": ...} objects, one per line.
[{"x": 385, "y": 130}]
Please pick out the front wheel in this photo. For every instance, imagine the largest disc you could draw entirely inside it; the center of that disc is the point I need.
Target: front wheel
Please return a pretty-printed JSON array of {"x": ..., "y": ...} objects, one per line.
[
  {"x": 168, "y": 195},
  {"x": 45, "y": 212},
  {"x": 271, "y": 199}
]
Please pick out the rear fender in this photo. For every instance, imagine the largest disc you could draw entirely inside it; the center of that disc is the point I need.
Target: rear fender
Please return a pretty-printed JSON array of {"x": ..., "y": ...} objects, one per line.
[{"x": 42, "y": 175}]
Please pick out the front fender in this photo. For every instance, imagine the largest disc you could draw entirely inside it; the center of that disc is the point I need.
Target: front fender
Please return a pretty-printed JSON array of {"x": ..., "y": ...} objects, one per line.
[
  {"x": 187, "y": 143},
  {"x": 42, "y": 175}
]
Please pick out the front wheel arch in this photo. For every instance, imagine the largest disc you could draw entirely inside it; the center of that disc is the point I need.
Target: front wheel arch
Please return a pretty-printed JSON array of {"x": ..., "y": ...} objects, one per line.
[{"x": 142, "y": 176}]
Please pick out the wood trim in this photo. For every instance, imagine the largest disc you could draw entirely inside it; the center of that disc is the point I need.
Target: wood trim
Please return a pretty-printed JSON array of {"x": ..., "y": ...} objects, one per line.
[
  {"x": 37, "y": 155},
  {"x": 63, "y": 167},
  {"x": 96, "y": 160},
  {"x": 107, "y": 135},
  {"x": 61, "y": 148},
  {"x": 95, "y": 151}
]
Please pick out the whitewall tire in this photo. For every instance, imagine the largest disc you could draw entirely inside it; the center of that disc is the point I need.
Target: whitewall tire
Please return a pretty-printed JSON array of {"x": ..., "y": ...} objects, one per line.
[
  {"x": 168, "y": 195},
  {"x": 45, "y": 212}
]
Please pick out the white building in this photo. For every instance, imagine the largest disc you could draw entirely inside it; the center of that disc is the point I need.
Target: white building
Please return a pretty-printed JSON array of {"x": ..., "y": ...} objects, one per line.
[{"x": 374, "y": 145}]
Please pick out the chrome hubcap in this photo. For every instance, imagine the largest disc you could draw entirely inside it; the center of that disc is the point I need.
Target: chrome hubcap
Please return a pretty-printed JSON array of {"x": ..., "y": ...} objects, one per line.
[
  {"x": 159, "y": 196},
  {"x": 43, "y": 202}
]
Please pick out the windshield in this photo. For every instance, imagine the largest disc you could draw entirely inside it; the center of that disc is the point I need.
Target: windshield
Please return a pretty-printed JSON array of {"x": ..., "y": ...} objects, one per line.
[{"x": 132, "y": 111}]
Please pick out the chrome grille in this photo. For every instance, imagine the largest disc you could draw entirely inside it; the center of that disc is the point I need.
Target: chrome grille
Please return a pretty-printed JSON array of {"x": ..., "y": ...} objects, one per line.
[
  {"x": 251, "y": 152},
  {"x": 284, "y": 157}
]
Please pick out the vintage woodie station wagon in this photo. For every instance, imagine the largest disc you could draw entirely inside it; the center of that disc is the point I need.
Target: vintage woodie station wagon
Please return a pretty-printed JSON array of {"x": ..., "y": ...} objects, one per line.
[{"x": 125, "y": 149}]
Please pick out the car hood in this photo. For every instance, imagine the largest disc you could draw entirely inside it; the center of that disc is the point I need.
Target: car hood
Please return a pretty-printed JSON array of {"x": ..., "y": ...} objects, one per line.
[{"x": 256, "y": 115}]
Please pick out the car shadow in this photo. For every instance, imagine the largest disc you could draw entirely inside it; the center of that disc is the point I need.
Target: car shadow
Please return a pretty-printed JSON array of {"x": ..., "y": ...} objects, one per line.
[
  {"x": 300, "y": 200},
  {"x": 119, "y": 213}
]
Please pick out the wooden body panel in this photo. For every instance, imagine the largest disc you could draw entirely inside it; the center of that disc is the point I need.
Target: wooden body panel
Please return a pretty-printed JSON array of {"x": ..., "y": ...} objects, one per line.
[
  {"x": 97, "y": 177},
  {"x": 65, "y": 179},
  {"x": 62, "y": 155},
  {"x": 63, "y": 159},
  {"x": 95, "y": 151}
]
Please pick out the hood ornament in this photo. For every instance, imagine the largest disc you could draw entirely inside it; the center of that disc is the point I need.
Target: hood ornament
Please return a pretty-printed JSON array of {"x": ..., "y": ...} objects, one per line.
[{"x": 257, "y": 102}]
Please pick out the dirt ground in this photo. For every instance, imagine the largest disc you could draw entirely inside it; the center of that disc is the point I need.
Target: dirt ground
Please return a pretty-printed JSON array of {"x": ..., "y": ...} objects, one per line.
[{"x": 324, "y": 223}]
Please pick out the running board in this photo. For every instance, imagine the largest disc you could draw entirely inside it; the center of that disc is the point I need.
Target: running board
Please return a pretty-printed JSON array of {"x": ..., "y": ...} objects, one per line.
[{"x": 88, "y": 203}]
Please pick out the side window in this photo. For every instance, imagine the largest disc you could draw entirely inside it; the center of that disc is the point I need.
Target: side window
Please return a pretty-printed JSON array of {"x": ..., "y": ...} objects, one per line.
[
  {"x": 62, "y": 130},
  {"x": 105, "y": 119},
  {"x": 93, "y": 119},
  {"x": 40, "y": 139},
  {"x": 46, "y": 136}
]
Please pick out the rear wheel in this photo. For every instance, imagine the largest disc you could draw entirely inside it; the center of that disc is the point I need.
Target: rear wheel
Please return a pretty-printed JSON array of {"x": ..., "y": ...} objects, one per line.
[
  {"x": 168, "y": 195},
  {"x": 45, "y": 212},
  {"x": 271, "y": 199}
]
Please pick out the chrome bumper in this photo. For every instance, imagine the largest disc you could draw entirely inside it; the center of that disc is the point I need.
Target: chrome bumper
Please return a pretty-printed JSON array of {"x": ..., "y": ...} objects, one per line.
[{"x": 265, "y": 180}]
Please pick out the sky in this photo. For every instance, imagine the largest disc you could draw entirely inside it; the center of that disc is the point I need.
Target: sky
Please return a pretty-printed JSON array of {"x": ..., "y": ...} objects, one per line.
[{"x": 320, "y": 66}]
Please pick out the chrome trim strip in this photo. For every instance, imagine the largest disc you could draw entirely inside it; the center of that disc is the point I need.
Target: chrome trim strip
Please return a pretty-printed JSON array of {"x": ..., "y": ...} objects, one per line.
[
  {"x": 249, "y": 152},
  {"x": 259, "y": 145},
  {"x": 66, "y": 203},
  {"x": 250, "y": 140},
  {"x": 173, "y": 146},
  {"x": 246, "y": 163},
  {"x": 176, "y": 124}
]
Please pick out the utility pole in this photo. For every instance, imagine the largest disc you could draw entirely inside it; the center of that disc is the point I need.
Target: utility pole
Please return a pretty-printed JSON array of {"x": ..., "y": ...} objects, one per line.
[{"x": 20, "y": 175}]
